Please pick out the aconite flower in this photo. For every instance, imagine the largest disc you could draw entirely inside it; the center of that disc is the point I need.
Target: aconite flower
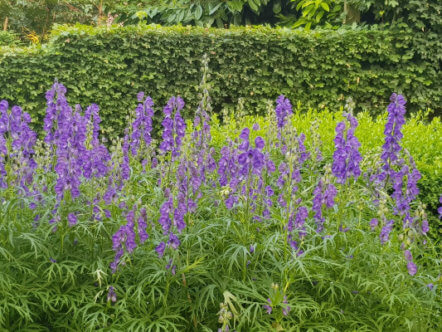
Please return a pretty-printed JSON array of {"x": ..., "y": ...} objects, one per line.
[{"x": 346, "y": 157}]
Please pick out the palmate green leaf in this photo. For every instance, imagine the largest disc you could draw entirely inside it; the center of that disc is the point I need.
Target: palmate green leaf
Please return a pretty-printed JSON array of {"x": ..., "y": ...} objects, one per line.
[
  {"x": 6, "y": 254},
  {"x": 205, "y": 297},
  {"x": 166, "y": 323}
]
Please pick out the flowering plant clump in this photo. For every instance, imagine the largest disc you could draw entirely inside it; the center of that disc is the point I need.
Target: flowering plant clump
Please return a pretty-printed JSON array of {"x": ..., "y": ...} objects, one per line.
[{"x": 155, "y": 230}]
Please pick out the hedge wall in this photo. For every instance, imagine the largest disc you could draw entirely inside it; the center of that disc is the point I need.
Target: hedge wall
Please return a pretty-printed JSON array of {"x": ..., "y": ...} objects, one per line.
[{"x": 109, "y": 66}]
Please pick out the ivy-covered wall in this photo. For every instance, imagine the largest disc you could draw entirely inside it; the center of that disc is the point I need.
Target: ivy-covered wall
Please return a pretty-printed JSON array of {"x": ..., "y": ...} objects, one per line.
[{"x": 108, "y": 66}]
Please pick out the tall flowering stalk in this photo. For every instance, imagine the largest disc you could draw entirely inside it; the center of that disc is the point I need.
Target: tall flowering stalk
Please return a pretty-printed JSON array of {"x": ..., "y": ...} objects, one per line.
[
  {"x": 411, "y": 267},
  {"x": 228, "y": 168},
  {"x": 324, "y": 194},
  {"x": 244, "y": 167},
  {"x": 393, "y": 135},
  {"x": 200, "y": 160},
  {"x": 3, "y": 146},
  {"x": 66, "y": 132},
  {"x": 283, "y": 110},
  {"x": 141, "y": 136},
  {"x": 402, "y": 177},
  {"x": 346, "y": 157},
  {"x": 96, "y": 161},
  {"x": 395, "y": 172},
  {"x": 172, "y": 214},
  {"x": 174, "y": 127},
  {"x": 294, "y": 156},
  {"x": 288, "y": 181}
]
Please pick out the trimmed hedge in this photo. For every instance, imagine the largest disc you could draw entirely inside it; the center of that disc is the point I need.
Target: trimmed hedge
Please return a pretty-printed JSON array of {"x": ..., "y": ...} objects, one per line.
[{"x": 109, "y": 66}]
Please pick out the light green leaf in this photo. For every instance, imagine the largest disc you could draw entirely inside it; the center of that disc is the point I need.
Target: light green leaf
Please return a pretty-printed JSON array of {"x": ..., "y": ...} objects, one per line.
[
  {"x": 235, "y": 6},
  {"x": 253, "y": 5},
  {"x": 277, "y": 7},
  {"x": 214, "y": 9},
  {"x": 325, "y": 6},
  {"x": 198, "y": 12}
]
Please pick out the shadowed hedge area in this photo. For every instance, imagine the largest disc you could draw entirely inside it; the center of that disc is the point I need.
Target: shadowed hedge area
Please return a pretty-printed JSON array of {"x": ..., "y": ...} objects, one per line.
[{"x": 322, "y": 68}]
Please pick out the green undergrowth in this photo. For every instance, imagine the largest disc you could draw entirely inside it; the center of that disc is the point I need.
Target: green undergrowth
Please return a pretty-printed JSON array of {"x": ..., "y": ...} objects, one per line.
[{"x": 59, "y": 279}]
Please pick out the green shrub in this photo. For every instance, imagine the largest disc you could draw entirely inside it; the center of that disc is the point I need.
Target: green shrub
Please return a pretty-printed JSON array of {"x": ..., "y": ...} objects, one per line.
[
  {"x": 8, "y": 39},
  {"x": 109, "y": 66}
]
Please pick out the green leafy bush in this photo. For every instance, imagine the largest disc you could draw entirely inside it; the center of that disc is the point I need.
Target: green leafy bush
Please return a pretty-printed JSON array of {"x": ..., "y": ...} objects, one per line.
[
  {"x": 8, "y": 39},
  {"x": 320, "y": 68}
]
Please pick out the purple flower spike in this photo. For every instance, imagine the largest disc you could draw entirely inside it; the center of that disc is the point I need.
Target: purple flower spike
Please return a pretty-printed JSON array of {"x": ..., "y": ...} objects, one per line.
[
  {"x": 173, "y": 242},
  {"x": 282, "y": 110},
  {"x": 385, "y": 232},
  {"x": 72, "y": 219},
  {"x": 245, "y": 134},
  {"x": 346, "y": 157},
  {"x": 140, "y": 96},
  {"x": 142, "y": 229},
  {"x": 286, "y": 309},
  {"x": 174, "y": 127},
  {"x": 373, "y": 223},
  {"x": 439, "y": 210},
  {"x": 259, "y": 143},
  {"x": 269, "y": 191},
  {"x": 425, "y": 226},
  {"x": 160, "y": 249},
  {"x": 393, "y": 134},
  {"x": 268, "y": 308},
  {"x": 412, "y": 268},
  {"x": 329, "y": 195},
  {"x": 111, "y": 295}
]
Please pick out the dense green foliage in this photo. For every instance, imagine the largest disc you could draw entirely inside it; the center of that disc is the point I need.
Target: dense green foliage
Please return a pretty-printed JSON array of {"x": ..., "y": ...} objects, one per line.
[
  {"x": 214, "y": 12},
  {"x": 344, "y": 281},
  {"x": 421, "y": 16},
  {"x": 320, "y": 69},
  {"x": 38, "y": 16},
  {"x": 8, "y": 39}
]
